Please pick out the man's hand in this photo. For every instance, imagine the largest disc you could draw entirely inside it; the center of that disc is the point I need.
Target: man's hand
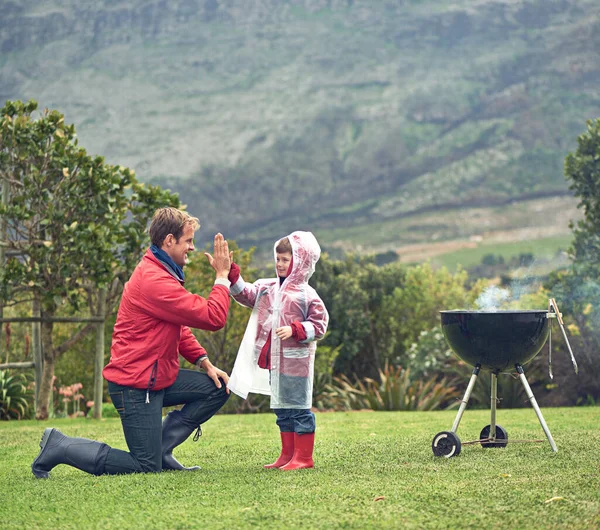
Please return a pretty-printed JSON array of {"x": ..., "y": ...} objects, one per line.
[
  {"x": 215, "y": 374},
  {"x": 284, "y": 332},
  {"x": 221, "y": 261}
]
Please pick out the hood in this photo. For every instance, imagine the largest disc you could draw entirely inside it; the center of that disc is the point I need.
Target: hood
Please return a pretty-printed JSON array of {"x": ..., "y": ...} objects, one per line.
[{"x": 305, "y": 252}]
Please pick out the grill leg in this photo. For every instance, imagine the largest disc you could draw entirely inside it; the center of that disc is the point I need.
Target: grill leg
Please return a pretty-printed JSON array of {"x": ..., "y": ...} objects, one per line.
[
  {"x": 535, "y": 406},
  {"x": 493, "y": 404},
  {"x": 465, "y": 400}
]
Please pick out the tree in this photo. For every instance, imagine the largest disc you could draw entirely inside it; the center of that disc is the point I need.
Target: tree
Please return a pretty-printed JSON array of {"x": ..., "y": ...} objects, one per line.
[
  {"x": 578, "y": 289},
  {"x": 353, "y": 291},
  {"x": 582, "y": 169},
  {"x": 75, "y": 224}
]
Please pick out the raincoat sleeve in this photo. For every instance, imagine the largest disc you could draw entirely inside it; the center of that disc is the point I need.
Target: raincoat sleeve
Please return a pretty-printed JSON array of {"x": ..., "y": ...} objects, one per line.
[
  {"x": 189, "y": 347},
  {"x": 245, "y": 293},
  {"x": 316, "y": 321}
]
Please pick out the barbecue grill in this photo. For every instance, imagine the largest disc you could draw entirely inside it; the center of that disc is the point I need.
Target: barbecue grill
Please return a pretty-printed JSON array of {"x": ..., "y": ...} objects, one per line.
[{"x": 498, "y": 341}]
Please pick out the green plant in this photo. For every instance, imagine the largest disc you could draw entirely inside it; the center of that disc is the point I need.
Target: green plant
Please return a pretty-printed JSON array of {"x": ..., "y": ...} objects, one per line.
[
  {"x": 76, "y": 223},
  {"x": 16, "y": 398},
  {"x": 395, "y": 390},
  {"x": 430, "y": 354},
  {"x": 588, "y": 401},
  {"x": 321, "y": 384},
  {"x": 108, "y": 411}
]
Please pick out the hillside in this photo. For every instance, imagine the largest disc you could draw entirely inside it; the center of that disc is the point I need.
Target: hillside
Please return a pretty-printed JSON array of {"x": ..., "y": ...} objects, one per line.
[{"x": 392, "y": 119}]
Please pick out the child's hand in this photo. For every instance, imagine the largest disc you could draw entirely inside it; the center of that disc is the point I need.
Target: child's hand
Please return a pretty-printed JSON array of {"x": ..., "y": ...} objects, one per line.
[{"x": 284, "y": 332}]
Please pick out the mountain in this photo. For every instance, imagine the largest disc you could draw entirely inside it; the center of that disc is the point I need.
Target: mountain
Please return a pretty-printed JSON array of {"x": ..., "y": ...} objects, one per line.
[{"x": 374, "y": 124}]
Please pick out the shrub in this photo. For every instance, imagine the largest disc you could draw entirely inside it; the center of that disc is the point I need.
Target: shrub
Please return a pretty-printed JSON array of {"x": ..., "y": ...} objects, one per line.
[
  {"x": 16, "y": 397},
  {"x": 108, "y": 411},
  {"x": 430, "y": 354},
  {"x": 395, "y": 390}
]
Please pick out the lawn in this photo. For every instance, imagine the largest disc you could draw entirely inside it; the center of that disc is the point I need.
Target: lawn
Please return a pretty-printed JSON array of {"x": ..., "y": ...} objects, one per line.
[{"x": 373, "y": 470}]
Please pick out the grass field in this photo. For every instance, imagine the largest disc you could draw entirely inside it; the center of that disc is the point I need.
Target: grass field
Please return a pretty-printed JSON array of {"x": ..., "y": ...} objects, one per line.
[
  {"x": 544, "y": 249},
  {"x": 373, "y": 470}
]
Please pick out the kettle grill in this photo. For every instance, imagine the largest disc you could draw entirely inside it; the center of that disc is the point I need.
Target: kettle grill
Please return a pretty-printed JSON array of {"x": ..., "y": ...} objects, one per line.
[{"x": 498, "y": 341}]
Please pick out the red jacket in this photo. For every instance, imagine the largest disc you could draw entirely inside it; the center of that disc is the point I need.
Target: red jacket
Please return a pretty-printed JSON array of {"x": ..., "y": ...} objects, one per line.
[{"x": 153, "y": 326}]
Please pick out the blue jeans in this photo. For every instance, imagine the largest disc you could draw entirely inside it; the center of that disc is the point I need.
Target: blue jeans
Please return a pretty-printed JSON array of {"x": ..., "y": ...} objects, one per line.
[
  {"x": 142, "y": 422},
  {"x": 300, "y": 421}
]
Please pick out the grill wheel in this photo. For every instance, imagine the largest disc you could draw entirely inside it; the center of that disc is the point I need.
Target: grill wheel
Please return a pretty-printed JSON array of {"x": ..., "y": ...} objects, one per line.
[
  {"x": 501, "y": 437},
  {"x": 446, "y": 444}
]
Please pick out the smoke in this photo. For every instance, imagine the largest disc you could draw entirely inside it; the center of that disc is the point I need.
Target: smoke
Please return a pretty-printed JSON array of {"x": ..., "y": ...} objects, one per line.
[
  {"x": 524, "y": 281},
  {"x": 492, "y": 298}
]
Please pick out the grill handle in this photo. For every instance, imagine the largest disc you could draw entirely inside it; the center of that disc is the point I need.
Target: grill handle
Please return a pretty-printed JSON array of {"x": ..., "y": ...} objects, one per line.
[{"x": 554, "y": 312}]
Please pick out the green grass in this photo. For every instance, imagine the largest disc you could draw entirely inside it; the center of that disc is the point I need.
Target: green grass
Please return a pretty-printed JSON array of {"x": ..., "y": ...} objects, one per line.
[
  {"x": 443, "y": 225},
  {"x": 360, "y": 457},
  {"x": 542, "y": 249}
]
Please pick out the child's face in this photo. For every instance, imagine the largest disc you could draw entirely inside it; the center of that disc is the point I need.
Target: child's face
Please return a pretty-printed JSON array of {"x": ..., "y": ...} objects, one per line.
[{"x": 282, "y": 263}]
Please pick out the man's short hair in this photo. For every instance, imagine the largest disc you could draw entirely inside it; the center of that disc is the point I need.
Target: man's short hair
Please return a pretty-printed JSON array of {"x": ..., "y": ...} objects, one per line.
[
  {"x": 167, "y": 221},
  {"x": 283, "y": 246}
]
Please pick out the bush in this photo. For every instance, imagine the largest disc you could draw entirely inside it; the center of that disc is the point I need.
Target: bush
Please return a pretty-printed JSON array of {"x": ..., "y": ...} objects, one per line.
[
  {"x": 395, "y": 390},
  {"x": 108, "y": 411},
  {"x": 16, "y": 397},
  {"x": 430, "y": 354}
]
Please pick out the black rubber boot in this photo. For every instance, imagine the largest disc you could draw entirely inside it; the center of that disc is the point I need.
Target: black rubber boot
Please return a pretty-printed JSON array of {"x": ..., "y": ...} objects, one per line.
[
  {"x": 81, "y": 453},
  {"x": 174, "y": 433}
]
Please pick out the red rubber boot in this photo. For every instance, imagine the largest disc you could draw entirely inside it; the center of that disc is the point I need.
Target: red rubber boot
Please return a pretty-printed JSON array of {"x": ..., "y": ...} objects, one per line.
[
  {"x": 303, "y": 452},
  {"x": 287, "y": 451}
]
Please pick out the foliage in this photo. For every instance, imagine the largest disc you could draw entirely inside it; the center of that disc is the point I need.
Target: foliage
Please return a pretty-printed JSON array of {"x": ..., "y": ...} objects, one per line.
[
  {"x": 582, "y": 170},
  {"x": 16, "y": 397},
  {"x": 353, "y": 291},
  {"x": 429, "y": 355},
  {"x": 588, "y": 401},
  {"x": 109, "y": 411},
  {"x": 395, "y": 390},
  {"x": 577, "y": 296},
  {"x": 16, "y": 337},
  {"x": 325, "y": 358},
  {"x": 75, "y": 223},
  {"x": 577, "y": 289},
  {"x": 323, "y": 374},
  {"x": 414, "y": 305},
  {"x": 377, "y": 313}
]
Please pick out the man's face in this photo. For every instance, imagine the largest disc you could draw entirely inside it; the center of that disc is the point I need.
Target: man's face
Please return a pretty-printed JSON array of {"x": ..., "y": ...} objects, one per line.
[
  {"x": 178, "y": 250},
  {"x": 282, "y": 263}
]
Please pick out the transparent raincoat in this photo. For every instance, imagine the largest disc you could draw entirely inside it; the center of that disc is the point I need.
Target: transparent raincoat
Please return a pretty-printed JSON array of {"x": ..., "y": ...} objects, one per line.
[{"x": 290, "y": 379}]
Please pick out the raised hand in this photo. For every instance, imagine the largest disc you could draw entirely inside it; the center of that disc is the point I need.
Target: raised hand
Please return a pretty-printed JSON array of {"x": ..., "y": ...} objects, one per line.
[{"x": 221, "y": 261}]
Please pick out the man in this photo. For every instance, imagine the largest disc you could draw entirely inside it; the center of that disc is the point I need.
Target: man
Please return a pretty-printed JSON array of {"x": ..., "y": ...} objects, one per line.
[{"x": 152, "y": 329}]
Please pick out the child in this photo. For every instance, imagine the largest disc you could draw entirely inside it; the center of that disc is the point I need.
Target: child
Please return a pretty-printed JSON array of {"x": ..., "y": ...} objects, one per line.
[{"x": 277, "y": 353}]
